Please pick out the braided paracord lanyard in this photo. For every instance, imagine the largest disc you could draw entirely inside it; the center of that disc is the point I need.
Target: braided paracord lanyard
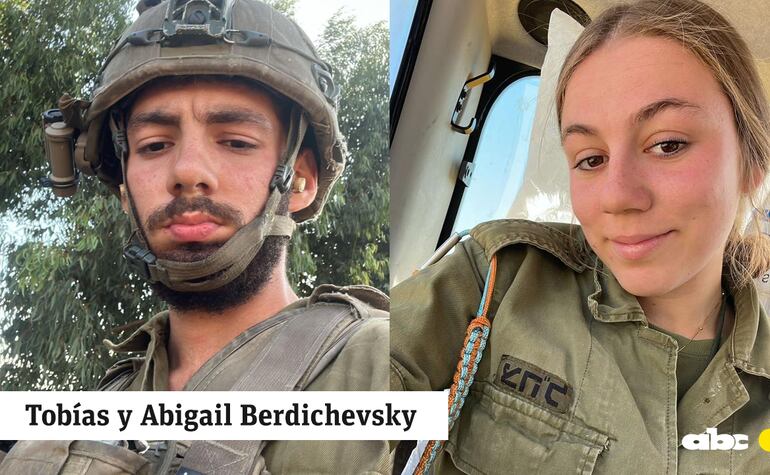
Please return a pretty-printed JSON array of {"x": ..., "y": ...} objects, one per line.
[{"x": 473, "y": 349}]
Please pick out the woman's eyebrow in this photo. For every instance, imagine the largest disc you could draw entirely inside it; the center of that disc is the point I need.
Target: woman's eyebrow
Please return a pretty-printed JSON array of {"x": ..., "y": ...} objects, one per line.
[
  {"x": 645, "y": 113},
  {"x": 577, "y": 129},
  {"x": 649, "y": 111}
]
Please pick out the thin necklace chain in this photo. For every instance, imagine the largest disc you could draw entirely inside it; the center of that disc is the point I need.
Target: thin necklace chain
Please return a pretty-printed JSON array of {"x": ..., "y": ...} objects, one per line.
[{"x": 720, "y": 308}]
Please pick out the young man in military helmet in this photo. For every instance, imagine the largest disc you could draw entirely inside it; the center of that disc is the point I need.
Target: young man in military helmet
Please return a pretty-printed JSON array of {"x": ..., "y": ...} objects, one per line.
[{"x": 216, "y": 121}]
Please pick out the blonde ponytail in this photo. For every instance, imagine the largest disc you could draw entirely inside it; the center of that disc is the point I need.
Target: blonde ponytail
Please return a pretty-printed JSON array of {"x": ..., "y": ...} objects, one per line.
[{"x": 747, "y": 256}]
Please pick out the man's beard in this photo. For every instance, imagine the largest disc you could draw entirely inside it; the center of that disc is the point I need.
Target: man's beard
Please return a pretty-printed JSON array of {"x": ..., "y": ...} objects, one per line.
[{"x": 236, "y": 292}]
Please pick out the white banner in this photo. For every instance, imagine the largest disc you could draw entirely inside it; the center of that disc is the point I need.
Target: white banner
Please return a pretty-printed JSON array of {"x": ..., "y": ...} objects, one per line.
[{"x": 223, "y": 415}]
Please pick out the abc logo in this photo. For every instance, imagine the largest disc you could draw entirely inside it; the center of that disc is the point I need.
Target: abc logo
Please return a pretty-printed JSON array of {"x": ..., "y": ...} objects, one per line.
[{"x": 710, "y": 440}]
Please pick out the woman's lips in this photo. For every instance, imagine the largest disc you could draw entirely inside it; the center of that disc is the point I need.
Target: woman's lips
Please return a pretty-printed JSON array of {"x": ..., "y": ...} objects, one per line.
[
  {"x": 638, "y": 246},
  {"x": 192, "y": 232}
]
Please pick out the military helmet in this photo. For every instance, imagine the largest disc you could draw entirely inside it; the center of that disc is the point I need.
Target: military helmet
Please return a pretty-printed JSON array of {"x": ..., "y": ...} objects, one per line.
[
  {"x": 243, "y": 38},
  {"x": 214, "y": 37}
]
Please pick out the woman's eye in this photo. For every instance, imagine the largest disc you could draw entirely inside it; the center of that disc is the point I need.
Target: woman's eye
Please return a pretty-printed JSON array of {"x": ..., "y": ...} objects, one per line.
[
  {"x": 590, "y": 163},
  {"x": 668, "y": 147}
]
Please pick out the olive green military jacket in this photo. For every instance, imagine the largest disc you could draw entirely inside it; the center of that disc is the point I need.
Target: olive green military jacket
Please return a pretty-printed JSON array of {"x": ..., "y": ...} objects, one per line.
[{"x": 573, "y": 379}]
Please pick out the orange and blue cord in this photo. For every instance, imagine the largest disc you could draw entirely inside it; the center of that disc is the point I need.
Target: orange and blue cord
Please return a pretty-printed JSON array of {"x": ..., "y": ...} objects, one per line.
[{"x": 476, "y": 337}]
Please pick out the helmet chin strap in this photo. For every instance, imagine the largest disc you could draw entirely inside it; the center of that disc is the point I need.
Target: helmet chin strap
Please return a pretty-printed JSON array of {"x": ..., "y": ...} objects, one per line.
[{"x": 229, "y": 261}]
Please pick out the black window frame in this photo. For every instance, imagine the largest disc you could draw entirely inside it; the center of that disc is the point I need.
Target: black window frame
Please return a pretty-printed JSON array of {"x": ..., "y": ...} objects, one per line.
[
  {"x": 507, "y": 72},
  {"x": 408, "y": 60}
]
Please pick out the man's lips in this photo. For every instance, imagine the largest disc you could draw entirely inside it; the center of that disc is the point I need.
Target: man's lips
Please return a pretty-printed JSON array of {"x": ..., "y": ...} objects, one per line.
[
  {"x": 192, "y": 227},
  {"x": 638, "y": 246}
]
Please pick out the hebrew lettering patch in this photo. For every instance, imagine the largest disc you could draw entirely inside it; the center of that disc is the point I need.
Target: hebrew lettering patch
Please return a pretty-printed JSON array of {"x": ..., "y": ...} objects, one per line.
[{"x": 534, "y": 384}]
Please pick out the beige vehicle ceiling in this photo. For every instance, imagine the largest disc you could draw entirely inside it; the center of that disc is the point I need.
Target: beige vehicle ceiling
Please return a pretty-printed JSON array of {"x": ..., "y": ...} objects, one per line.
[
  {"x": 459, "y": 39},
  {"x": 508, "y": 38}
]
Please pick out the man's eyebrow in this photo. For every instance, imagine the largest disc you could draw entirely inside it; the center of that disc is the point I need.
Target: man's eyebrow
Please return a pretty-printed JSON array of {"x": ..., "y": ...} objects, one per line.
[
  {"x": 152, "y": 118},
  {"x": 217, "y": 116},
  {"x": 238, "y": 116},
  {"x": 647, "y": 112}
]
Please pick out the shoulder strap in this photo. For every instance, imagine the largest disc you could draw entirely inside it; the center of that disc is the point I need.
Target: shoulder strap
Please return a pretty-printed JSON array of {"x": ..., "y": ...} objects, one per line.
[
  {"x": 564, "y": 241},
  {"x": 323, "y": 331},
  {"x": 362, "y": 297},
  {"x": 120, "y": 375}
]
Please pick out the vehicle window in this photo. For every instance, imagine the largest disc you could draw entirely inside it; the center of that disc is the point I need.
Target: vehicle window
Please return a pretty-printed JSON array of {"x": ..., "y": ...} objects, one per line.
[
  {"x": 501, "y": 156},
  {"x": 401, "y": 16}
]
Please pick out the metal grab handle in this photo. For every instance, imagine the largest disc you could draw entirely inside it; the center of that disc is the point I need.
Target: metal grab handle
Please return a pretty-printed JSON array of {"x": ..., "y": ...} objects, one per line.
[{"x": 469, "y": 84}]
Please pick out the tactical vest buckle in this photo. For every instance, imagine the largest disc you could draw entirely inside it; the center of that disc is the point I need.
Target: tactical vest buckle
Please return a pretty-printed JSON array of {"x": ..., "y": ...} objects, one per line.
[{"x": 139, "y": 260}]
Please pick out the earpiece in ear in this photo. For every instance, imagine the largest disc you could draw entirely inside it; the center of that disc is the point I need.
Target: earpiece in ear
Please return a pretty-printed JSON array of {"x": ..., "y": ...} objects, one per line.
[
  {"x": 298, "y": 186},
  {"x": 123, "y": 198}
]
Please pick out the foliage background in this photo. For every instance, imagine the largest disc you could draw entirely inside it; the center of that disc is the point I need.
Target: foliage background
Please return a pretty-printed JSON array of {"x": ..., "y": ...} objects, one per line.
[{"x": 63, "y": 284}]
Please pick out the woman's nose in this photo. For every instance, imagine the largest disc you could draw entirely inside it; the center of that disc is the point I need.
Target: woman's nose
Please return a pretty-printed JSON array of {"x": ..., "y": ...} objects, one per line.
[{"x": 625, "y": 187}]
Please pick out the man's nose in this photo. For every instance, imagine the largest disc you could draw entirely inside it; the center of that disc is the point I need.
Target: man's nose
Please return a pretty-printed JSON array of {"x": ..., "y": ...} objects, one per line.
[
  {"x": 193, "y": 171},
  {"x": 626, "y": 186}
]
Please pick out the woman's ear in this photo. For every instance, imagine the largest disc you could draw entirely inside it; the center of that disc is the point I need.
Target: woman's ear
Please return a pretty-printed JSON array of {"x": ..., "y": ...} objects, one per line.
[
  {"x": 305, "y": 185},
  {"x": 753, "y": 180}
]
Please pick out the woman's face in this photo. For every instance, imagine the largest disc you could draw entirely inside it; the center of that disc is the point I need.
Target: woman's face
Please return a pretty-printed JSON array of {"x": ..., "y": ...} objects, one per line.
[{"x": 654, "y": 155}]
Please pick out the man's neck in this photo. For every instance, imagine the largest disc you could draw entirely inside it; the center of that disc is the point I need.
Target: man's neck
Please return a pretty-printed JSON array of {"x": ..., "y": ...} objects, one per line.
[{"x": 196, "y": 336}]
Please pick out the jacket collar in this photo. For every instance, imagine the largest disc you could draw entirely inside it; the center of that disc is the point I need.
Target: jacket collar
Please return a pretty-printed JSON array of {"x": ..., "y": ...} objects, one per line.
[
  {"x": 749, "y": 342},
  {"x": 152, "y": 333},
  {"x": 610, "y": 302},
  {"x": 151, "y": 339}
]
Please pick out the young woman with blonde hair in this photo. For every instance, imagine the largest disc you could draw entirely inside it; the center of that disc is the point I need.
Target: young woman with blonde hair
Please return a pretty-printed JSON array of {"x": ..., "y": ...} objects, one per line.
[{"x": 637, "y": 340}]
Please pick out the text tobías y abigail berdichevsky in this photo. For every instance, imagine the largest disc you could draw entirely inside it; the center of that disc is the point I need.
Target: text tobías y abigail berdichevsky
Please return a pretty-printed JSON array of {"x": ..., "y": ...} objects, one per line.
[{"x": 161, "y": 415}]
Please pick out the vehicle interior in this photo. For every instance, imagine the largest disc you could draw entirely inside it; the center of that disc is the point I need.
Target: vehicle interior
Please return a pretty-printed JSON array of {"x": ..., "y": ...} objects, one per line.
[{"x": 473, "y": 129}]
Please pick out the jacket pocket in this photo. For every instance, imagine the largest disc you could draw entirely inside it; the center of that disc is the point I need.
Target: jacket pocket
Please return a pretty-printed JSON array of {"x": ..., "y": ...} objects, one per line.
[{"x": 499, "y": 433}]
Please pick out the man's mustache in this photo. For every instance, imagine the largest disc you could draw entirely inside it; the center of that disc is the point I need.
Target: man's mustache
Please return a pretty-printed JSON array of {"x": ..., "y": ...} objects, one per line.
[{"x": 226, "y": 213}]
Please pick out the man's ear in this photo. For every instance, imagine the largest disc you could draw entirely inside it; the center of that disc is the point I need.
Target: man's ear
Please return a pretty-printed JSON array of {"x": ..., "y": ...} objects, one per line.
[
  {"x": 124, "y": 198},
  {"x": 305, "y": 184}
]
